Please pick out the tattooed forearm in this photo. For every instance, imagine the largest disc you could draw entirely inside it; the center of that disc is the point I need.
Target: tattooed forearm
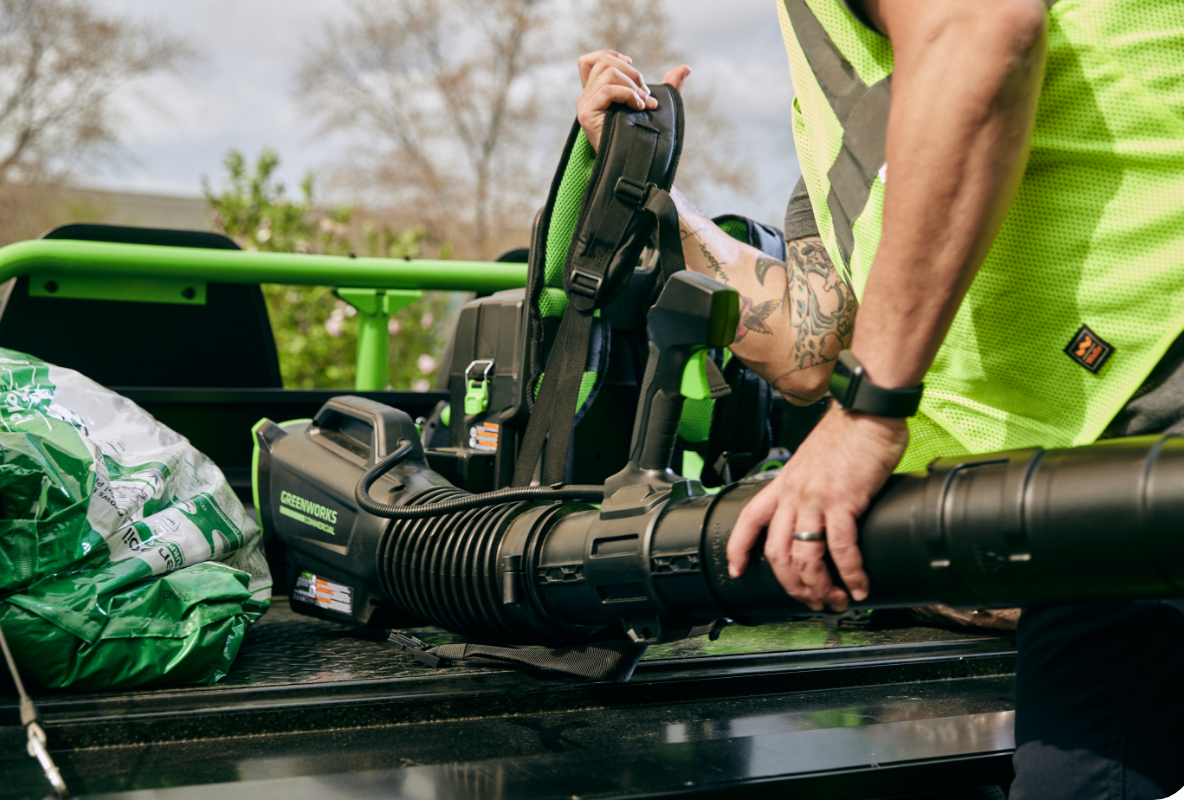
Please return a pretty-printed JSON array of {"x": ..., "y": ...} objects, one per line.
[
  {"x": 765, "y": 263},
  {"x": 821, "y": 306},
  {"x": 716, "y": 265},
  {"x": 753, "y": 316}
]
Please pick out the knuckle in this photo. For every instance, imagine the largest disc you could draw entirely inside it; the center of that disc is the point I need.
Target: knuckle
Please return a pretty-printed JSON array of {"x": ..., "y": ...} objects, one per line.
[
  {"x": 842, "y": 548},
  {"x": 777, "y": 555},
  {"x": 802, "y": 596}
]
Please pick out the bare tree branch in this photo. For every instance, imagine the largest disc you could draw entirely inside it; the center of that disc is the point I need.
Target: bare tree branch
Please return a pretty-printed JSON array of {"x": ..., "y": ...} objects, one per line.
[
  {"x": 438, "y": 96},
  {"x": 60, "y": 62}
]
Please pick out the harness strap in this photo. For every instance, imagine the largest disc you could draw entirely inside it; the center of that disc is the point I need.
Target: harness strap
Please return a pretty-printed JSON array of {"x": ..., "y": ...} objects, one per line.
[
  {"x": 590, "y": 257},
  {"x": 605, "y": 659},
  {"x": 659, "y": 203},
  {"x": 556, "y": 407},
  {"x": 554, "y": 410},
  {"x": 590, "y": 263},
  {"x": 717, "y": 384}
]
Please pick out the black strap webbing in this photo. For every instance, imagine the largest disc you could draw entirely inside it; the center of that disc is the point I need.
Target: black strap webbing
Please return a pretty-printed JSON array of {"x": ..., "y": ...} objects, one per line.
[
  {"x": 603, "y": 244},
  {"x": 553, "y": 416},
  {"x": 554, "y": 411},
  {"x": 659, "y": 203},
  {"x": 717, "y": 384},
  {"x": 601, "y": 660}
]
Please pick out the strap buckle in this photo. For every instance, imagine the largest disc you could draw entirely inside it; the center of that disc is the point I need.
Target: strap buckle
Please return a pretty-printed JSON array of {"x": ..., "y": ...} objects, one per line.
[
  {"x": 630, "y": 192},
  {"x": 585, "y": 284},
  {"x": 414, "y": 647},
  {"x": 477, "y": 392}
]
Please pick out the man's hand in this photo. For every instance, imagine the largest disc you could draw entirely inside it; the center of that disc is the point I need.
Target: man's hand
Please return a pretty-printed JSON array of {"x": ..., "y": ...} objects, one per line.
[
  {"x": 609, "y": 77},
  {"x": 826, "y": 486}
]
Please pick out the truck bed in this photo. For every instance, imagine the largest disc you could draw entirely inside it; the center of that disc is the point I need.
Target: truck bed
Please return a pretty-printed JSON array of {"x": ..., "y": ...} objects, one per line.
[{"x": 314, "y": 709}]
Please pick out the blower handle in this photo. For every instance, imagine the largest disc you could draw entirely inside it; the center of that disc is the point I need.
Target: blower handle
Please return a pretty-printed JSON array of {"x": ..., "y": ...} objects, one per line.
[{"x": 693, "y": 313}]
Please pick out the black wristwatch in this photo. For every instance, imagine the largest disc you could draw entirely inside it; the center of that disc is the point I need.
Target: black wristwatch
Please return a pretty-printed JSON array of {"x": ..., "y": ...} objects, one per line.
[{"x": 857, "y": 393}]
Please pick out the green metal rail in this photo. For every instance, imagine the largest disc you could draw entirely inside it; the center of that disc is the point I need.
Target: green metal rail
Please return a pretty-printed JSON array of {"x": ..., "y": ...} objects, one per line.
[
  {"x": 64, "y": 258},
  {"x": 377, "y": 287}
]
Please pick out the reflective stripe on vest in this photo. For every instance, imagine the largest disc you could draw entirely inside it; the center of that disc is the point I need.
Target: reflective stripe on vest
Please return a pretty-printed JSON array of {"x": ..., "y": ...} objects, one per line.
[{"x": 863, "y": 112}]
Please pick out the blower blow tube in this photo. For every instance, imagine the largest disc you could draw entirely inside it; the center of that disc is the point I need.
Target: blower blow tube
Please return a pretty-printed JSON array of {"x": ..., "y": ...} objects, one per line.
[{"x": 1007, "y": 529}]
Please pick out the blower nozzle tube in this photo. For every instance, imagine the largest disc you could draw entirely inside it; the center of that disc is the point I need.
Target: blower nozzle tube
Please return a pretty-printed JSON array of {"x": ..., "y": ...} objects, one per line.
[{"x": 1008, "y": 529}]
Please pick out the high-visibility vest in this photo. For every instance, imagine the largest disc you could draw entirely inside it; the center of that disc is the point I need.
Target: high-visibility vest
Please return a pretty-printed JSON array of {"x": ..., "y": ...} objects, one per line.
[{"x": 1083, "y": 289}]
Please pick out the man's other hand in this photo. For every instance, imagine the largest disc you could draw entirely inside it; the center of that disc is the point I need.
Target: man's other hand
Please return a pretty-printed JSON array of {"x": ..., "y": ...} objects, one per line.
[
  {"x": 826, "y": 486},
  {"x": 609, "y": 77}
]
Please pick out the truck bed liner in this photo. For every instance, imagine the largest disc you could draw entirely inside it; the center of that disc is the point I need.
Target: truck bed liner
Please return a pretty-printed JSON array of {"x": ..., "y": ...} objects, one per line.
[{"x": 314, "y": 709}]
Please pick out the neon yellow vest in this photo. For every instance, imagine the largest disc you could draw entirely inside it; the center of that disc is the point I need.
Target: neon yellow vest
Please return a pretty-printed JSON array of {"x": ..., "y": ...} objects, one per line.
[{"x": 1095, "y": 237}]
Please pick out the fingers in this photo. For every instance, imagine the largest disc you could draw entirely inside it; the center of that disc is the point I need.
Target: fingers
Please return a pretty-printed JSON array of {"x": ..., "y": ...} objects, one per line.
[
  {"x": 608, "y": 94},
  {"x": 677, "y": 76},
  {"x": 842, "y": 540},
  {"x": 613, "y": 72},
  {"x": 621, "y": 70},
  {"x": 608, "y": 78},
  {"x": 810, "y": 564},
  {"x": 588, "y": 60},
  {"x": 748, "y": 527},
  {"x": 779, "y": 553}
]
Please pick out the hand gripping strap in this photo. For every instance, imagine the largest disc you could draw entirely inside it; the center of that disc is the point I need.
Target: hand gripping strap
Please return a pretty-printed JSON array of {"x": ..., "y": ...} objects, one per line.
[{"x": 625, "y": 199}]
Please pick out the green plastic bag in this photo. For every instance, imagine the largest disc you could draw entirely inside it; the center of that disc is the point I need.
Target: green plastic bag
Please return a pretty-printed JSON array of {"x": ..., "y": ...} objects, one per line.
[{"x": 125, "y": 557}]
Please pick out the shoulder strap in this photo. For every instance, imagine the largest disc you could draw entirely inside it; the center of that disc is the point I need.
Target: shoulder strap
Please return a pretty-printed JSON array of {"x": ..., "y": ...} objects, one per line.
[
  {"x": 609, "y": 657},
  {"x": 625, "y": 200}
]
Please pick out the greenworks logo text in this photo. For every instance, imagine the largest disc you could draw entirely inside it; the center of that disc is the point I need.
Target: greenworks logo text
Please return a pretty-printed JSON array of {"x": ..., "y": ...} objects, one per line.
[{"x": 309, "y": 507}]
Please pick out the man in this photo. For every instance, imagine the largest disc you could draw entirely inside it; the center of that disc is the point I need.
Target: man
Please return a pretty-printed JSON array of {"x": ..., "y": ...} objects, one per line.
[{"x": 1002, "y": 187}]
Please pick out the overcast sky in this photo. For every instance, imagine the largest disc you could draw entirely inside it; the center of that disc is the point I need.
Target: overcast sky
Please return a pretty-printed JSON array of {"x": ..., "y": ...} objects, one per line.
[{"x": 242, "y": 95}]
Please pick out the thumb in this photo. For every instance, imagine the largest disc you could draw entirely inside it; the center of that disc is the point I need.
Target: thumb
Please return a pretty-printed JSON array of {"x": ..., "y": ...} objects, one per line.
[{"x": 677, "y": 76}]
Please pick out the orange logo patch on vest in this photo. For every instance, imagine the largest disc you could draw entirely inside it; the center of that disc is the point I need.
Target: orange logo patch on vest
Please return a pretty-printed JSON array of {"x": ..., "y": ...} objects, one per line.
[{"x": 1088, "y": 349}]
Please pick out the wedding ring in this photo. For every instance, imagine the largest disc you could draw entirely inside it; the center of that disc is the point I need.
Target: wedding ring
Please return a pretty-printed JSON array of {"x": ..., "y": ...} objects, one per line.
[{"x": 809, "y": 536}]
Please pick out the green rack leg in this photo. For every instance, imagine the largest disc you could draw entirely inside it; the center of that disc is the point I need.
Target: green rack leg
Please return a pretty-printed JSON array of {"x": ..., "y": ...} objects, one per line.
[{"x": 374, "y": 309}]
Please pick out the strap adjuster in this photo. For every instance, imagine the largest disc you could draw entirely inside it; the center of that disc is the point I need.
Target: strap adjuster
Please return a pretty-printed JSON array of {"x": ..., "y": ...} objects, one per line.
[
  {"x": 630, "y": 192},
  {"x": 585, "y": 284},
  {"x": 414, "y": 647}
]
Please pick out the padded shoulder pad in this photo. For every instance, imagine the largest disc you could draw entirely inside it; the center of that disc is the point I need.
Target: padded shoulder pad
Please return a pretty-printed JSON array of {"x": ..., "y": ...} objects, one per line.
[
  {"x": 766, "y": 238},
  {"x": 639, "y": 150}
]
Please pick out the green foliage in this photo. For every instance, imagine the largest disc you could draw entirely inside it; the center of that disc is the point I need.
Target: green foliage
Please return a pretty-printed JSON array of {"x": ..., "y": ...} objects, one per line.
[{"x": 316, "y": 334}]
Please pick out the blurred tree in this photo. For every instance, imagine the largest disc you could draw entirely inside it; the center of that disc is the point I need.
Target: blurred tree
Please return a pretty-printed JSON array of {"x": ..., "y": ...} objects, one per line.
[
  {"x": 316, "y": 334},
  {"x": 60, "y": 62},
  {"x": 445, "y": 89},
  {"x": 642, "y": 30}
]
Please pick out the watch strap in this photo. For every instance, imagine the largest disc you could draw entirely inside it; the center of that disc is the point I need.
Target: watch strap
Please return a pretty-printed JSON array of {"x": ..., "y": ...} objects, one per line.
[{"x": 855, "y": 392}]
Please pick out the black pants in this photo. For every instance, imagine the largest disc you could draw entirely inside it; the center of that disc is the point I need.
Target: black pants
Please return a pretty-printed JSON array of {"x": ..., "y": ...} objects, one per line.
[{"x": 1100, "y": 701}]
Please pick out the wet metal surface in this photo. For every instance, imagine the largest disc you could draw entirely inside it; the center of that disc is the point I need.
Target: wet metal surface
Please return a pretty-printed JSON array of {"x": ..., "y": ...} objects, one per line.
[
  {"x": 312, "y": 708},
  {"x": 869, "y": 758}
]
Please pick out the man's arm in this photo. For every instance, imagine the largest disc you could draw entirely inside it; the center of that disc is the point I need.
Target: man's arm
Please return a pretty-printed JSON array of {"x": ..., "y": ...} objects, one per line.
[
  {"x": 964, "y": 92},
  {"x": 965, "y": 86},
  {"x": 795, "y": 316}
]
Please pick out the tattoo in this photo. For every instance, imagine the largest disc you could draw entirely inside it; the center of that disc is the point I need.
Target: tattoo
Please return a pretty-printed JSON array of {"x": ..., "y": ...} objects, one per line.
[
  {"x": 821, "y": 306},
  {"x": 764, "y": 264},
  {"x": 713, "y": 262},
  {"x": 692, "y": 222},
  {"x": 753, "y": 316}
]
